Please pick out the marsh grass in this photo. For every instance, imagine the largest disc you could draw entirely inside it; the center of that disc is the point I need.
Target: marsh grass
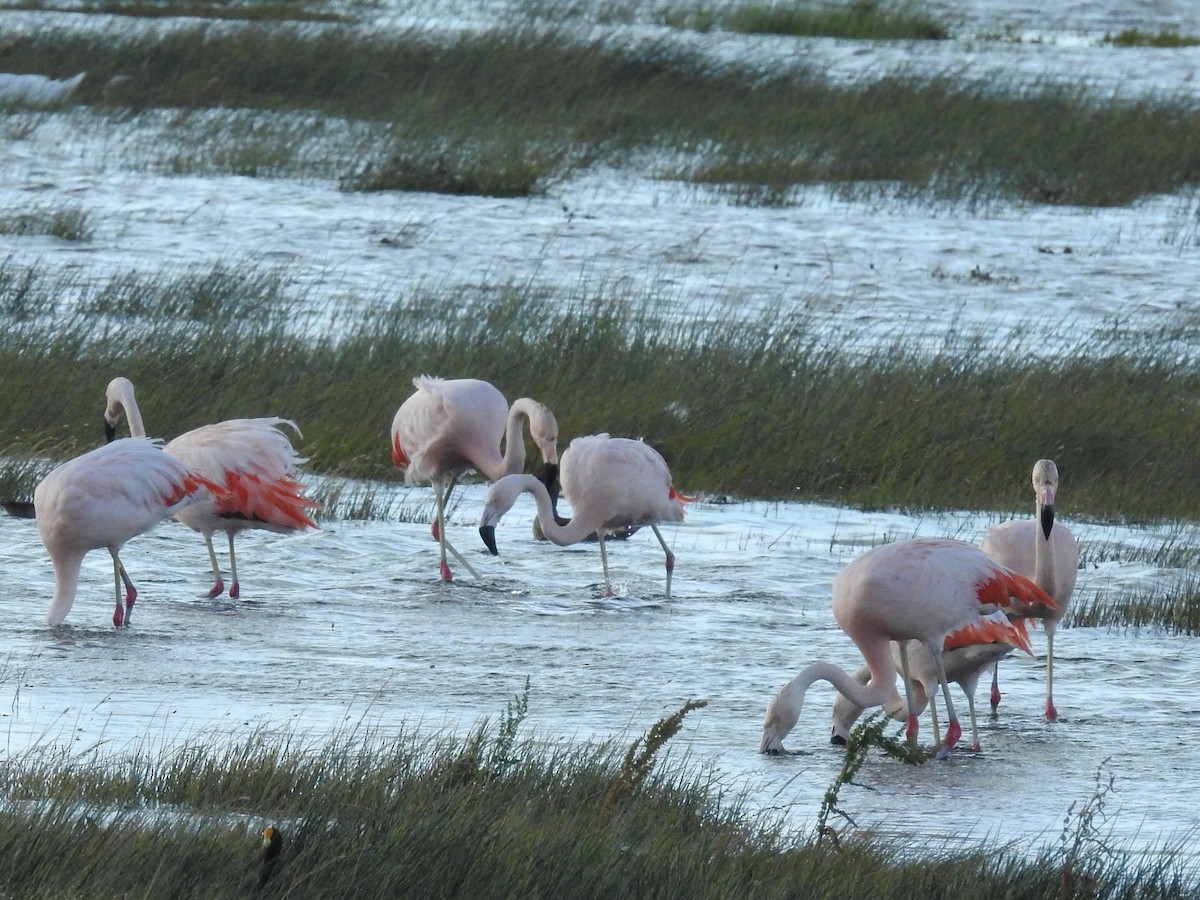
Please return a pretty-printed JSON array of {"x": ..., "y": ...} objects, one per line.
[
  {"x": 1172, "y": 605},
  {"x": 856, "y": 20},
  {"x": 774, "y": 407},
  {"x": 1132, "y": 37},
  {"x": 248, "y": 11},
  {"x": 368, "y": 813},
  {"x": 68, "y": 223},
  {"x": 507, "y": 111}
]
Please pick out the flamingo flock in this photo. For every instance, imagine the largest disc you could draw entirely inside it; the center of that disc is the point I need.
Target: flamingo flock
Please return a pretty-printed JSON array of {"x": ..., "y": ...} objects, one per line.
[{"x": 926, "y": 610}]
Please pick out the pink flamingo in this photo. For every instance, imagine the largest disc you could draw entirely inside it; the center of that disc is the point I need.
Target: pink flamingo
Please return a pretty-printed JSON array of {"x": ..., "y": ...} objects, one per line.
[
  {"x": 964, "y": 666},
  {"x": 924, "y": 589},
  {"x": 1044, "y": 551},
  {"x": 102, "y": 499},
  {"x": 449, "y": 427},
  {"x": 251, "y": 459},
  {"x": 611, "y": 484}
]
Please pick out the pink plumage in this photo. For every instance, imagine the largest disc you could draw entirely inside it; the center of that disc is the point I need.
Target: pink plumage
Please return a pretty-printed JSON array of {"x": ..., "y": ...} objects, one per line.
[
  {"x": 453, "y": 426},
  {"x": 253, "y": 462},
  {"x": 102, "y": 499},
  {"x": 611, "y": 484},
  {"x": 924, "y": 589}
]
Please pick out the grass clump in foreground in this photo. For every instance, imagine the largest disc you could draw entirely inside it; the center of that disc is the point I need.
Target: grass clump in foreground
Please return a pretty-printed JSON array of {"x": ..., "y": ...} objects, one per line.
[
  {"x": 1132, "y": 37},
  {"x": 486, "y": 816},
  {"x": 510, "y": 110}
]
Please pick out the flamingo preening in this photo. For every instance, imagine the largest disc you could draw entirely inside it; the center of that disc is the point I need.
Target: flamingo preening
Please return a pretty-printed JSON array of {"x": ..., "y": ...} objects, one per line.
[
  {"x": 611, "y": 483},
  {"x": 1041, "y": 549},
  {"x": 102, "y": 499},
  {"x": 451, "y": 426},
  {"x": 251, "y": 459},
  {"x": 964, "y": 666},
  {"x": 923, "y": 589}
]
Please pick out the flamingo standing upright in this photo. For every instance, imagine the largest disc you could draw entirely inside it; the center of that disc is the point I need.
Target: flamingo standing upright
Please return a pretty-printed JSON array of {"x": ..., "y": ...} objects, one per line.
[
  {"x": 102, "y": 499},
  {"x": 964, "y": 666},
  {"x": 451, "y": 426},
  {"x": 923, "y": 589},
  {"x": 253, "y": 461},
  {"x": 1040, "y": 549},
  {"x": 611, "y": 483}
]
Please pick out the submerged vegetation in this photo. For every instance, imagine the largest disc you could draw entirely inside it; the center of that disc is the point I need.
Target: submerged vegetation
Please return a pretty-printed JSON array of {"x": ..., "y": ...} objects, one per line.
[{"x": 510, "y": 110}]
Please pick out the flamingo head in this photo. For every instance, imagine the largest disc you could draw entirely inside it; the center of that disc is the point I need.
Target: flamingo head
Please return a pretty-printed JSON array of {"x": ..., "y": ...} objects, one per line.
[
  {"x": 1045, "y": 486},
  {"x": 543, "y": 428},
  {"x": 781, "y": 718},
  {"x": 500, "y": 498},
  {"x": 118, "y": 397}
]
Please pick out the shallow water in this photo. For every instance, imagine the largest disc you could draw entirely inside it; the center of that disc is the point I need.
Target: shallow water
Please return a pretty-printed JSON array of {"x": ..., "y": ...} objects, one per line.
[{"x": 348, "y": 626}]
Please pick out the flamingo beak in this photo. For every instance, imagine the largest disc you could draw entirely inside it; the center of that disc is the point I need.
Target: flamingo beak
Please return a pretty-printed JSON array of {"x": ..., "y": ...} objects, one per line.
[
  {"x": 488, "y": 533},
  {"x": 1047, "y": 519},
  {"x": 110, "y": 431}
]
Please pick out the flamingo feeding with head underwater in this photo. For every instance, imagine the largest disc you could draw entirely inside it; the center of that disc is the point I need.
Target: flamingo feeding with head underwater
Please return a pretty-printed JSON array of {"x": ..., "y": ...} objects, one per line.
[
  {"x": 923, "y": 589},
  {"x": 451, "y": 426},
  {"x": 611, "y": 485},
  {"x": 964, "y": 666},
  {"x": 102, "y": 499},
  {"x": 251, "y": 459},
  {"x": 1041, "y": 549}
]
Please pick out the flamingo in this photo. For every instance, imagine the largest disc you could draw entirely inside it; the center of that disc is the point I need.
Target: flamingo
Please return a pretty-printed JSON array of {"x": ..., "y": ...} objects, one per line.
[
  {"x": 1044, "y": 551},
  {"x": 102, "y": 499},
  {"x": 611, "y": 484},
  {"x": 923, "y": 589},
  {"x": 251, "y": 458},
  {"x": 451, "y": 426},
  {"x": 964, "y": 666}
]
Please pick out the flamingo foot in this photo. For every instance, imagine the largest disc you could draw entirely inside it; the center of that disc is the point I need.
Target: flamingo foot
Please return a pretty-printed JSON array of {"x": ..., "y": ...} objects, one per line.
[
  {"x": 1051, "y": 712},
  {"x": 995, "y": 698},
  {"x": 437, "y": 532},
  {"x": 446, "y": 576},
  {"x": 911, "y": 731},
  {"x": 953, "y": 733},
  {"x": 217, "y": 589},
  {"x": 235, "y": 590},
  {"x": 977, "y": 747},
  {"x": 130, "y": 597},
  {"x": 118, "y": 616}
]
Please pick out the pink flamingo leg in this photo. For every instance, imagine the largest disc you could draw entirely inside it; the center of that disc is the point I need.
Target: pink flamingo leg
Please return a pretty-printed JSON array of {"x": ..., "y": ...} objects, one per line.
[{"x": 995, "y": 687}]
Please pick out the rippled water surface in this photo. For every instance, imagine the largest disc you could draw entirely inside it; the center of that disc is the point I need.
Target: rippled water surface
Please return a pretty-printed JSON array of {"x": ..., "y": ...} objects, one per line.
[{"x": 349, "y": 625}]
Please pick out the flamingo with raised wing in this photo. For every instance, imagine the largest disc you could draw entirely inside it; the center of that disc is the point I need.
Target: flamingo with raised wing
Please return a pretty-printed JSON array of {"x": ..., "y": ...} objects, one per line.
[
  {"x": 452, "y": 426},
  {"x": 252, "y": 460},
  {"x": 102, "y": 499},
  {"x": 1044, "y": 550},
  {"x": 611, "y": 484},
  {"x": 964, "y": 667},
  {"x": 923, "y": 589}
]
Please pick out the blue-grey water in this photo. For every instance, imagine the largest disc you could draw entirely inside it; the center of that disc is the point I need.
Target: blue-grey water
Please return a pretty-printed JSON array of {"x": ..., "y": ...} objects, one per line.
[{"x": 348, "y": 626}]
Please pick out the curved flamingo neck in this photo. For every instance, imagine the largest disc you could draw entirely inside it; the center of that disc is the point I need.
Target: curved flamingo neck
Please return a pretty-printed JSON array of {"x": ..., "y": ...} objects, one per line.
[
  {"x": 573, "y": 532},
  {"x": 513, "y": 460},
  {"x": 133, "y": 415},
  {"x": 66, "y": 585},
  {"x": 880, "y": 689}
]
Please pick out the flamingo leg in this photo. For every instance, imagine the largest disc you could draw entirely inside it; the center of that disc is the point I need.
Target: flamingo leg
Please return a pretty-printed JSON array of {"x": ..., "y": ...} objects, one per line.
[
  {"x": 218, "y": 584},
  {"x": 995, "y": 687},
  {"x": 608, "y": 591},
  {"x": 953, "y": 729},
  {"x": 933, "y": 719},
  {"x": 121, "y": 613},
  {"x": 670, "y": 557},
  {"x": 975, "y": 745},
  {"x": 235, "y": 589},
  {"x": 913, "y": 725},
  {"x": 1051, "y": 712},
  {"x": 443, "y": 543},
  {"x": 437, "y": 522}
]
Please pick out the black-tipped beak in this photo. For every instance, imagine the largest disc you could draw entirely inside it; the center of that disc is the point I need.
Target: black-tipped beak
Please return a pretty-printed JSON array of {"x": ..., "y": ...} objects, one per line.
[
  {"x": 488, "y": 533},
  {"x": 1047, "y": 520},
  {"x": 549, "y": 477},
  {"x": 110, "y": 432}
]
